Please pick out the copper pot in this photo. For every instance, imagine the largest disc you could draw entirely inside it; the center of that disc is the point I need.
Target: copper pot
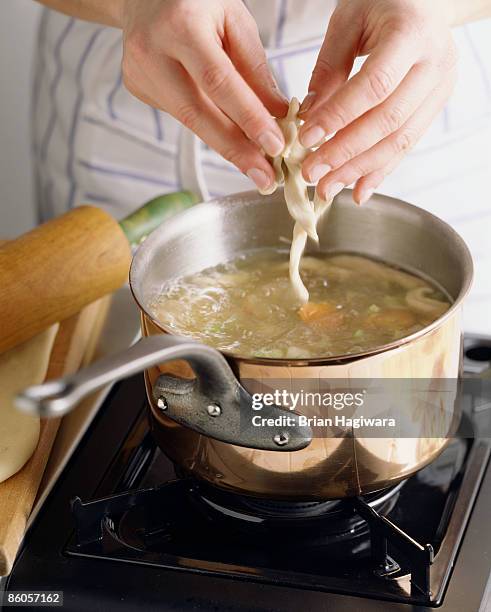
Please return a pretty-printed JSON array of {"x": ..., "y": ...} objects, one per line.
[{"x": 190, "y": 424}]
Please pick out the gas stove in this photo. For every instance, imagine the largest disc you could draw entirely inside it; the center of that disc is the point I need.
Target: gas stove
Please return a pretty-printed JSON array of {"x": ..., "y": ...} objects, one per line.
[{"x": 124, "y": 530}]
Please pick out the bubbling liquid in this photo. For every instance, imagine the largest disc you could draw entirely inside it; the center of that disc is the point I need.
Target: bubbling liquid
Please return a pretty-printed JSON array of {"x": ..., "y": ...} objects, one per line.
[{"x": 247, "y": 307}]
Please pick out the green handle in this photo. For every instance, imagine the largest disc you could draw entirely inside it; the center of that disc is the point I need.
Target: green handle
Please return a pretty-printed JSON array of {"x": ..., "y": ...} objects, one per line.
[{"x": 143, "y": 221}]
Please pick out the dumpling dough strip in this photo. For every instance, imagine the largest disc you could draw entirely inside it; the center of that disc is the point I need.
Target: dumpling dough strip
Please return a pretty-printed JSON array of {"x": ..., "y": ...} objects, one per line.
[
  {"x": 306, "y": 214},
  {"x": 20, "y": 367}
]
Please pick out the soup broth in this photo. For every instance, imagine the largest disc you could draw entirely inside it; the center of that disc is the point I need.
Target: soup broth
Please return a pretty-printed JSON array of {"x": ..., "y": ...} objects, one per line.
[{"x": 247, "y": 306}]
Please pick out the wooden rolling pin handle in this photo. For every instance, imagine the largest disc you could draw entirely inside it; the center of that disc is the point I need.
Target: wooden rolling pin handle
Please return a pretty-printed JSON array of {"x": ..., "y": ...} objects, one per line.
[{"x": 53, "y": 271}]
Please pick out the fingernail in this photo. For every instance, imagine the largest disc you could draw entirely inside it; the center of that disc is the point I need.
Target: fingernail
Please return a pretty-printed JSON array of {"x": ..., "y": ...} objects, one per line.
[
  {"x": 312, "y": 136},
  {"x": 307, "y": 103},
  {"x": 283, "y": 98},
  {"x": 318, "y": 172},
  {"x": 333, "y": 190},
  {"x": 271, "y": 143},
  {"x": 277, "y": 90},
  {"x": 365, "y": 196},
  {"x": 259, "y": 177}
]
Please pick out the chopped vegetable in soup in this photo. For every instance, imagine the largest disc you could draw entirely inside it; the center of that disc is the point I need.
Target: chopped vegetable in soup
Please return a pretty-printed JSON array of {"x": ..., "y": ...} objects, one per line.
[{"x": 247, "y": 306}]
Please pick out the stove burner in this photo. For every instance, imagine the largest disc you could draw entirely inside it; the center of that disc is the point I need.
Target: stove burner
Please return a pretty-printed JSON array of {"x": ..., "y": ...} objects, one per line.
[
  {"x": 252, "y": 507},
  {"x": 289, "y": 509},
  {"x": 153, "y": 520},
  {"x": 148, "y": 520},
  {"x": 293, "y": 525}
]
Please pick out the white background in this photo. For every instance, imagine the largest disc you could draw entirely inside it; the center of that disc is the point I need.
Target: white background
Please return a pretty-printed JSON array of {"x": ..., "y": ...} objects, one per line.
[{"x": 18, "y": 31}]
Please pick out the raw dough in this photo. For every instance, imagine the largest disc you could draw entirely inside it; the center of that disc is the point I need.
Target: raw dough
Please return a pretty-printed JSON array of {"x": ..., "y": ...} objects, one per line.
[
  {"x": 288, "y": 169},
  {"x": 21, "y": 367}
]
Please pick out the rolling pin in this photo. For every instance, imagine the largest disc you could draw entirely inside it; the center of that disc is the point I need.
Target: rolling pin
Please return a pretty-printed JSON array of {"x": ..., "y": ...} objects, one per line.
[{"x": 50, "y": 273}]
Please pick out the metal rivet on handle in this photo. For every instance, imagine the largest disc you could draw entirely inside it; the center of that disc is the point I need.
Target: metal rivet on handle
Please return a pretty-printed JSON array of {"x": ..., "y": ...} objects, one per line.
[
  {"x": 162, "y": 403},
  {"x": 281, "y": 439},
  {"x": 214, "y": 410}
]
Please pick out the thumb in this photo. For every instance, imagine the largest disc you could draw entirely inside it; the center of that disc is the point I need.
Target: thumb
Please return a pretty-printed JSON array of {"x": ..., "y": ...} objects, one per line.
[{"x": 335, "y": 61}]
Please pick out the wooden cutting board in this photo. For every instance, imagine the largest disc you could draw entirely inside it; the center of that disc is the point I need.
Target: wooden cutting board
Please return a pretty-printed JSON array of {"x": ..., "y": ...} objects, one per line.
[{"x": 74, "y": 347}]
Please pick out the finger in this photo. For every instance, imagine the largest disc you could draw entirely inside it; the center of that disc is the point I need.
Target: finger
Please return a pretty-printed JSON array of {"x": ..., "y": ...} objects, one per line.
[
  {"x": 379, "y": 76},
  {"x": 366, "y": 185},
  {"x": 394, "y": 146},
  {"x": 216, "y": 75},
  {"x": 334, "y": 63},
  {"x": 246, "y": 51},
  {"x": 191, "y": 107},
  {"x": 372, "y": 127}
]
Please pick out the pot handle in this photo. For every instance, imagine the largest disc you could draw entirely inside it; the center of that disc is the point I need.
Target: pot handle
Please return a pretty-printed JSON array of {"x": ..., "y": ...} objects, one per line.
[{"x": 214, "y": 404}]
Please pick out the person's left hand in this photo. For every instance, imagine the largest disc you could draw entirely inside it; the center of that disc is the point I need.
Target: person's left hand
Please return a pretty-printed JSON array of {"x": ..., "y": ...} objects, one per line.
[{"x": 381, "y": 112}]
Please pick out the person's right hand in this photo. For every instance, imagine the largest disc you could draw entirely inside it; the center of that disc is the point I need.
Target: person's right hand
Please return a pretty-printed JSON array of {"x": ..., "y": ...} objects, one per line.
[{"x": 203, "y": 62}]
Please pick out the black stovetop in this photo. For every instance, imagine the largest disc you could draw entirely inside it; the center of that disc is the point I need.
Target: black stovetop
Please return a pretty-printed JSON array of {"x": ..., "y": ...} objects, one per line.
[{"x": 140, "y": 538}]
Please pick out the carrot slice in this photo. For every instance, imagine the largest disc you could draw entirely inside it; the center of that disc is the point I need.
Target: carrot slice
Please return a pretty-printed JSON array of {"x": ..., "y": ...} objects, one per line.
[
  {"x": 390, "y": 318},
  {"x": 321, "y": 314}
]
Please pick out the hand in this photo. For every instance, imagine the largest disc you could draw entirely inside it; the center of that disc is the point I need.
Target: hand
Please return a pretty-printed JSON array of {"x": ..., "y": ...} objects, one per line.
[
  {"x": 203, "y": 63},
  {"x": 381, "y": 112}
]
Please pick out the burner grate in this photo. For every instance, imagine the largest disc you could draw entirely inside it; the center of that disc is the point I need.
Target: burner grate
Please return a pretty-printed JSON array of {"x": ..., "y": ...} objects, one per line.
[
  {"x": 382, "y": 530},
  {"x": 150, "y": 520}
]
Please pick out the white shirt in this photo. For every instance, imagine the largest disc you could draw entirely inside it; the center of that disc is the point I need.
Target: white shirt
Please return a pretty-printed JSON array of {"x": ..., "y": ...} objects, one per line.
[{"x": 95, "y": 143}]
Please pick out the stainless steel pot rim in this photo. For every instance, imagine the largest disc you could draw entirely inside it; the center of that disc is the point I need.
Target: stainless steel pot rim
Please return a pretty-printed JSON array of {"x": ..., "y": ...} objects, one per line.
[{"x": 252, "y": 196}]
